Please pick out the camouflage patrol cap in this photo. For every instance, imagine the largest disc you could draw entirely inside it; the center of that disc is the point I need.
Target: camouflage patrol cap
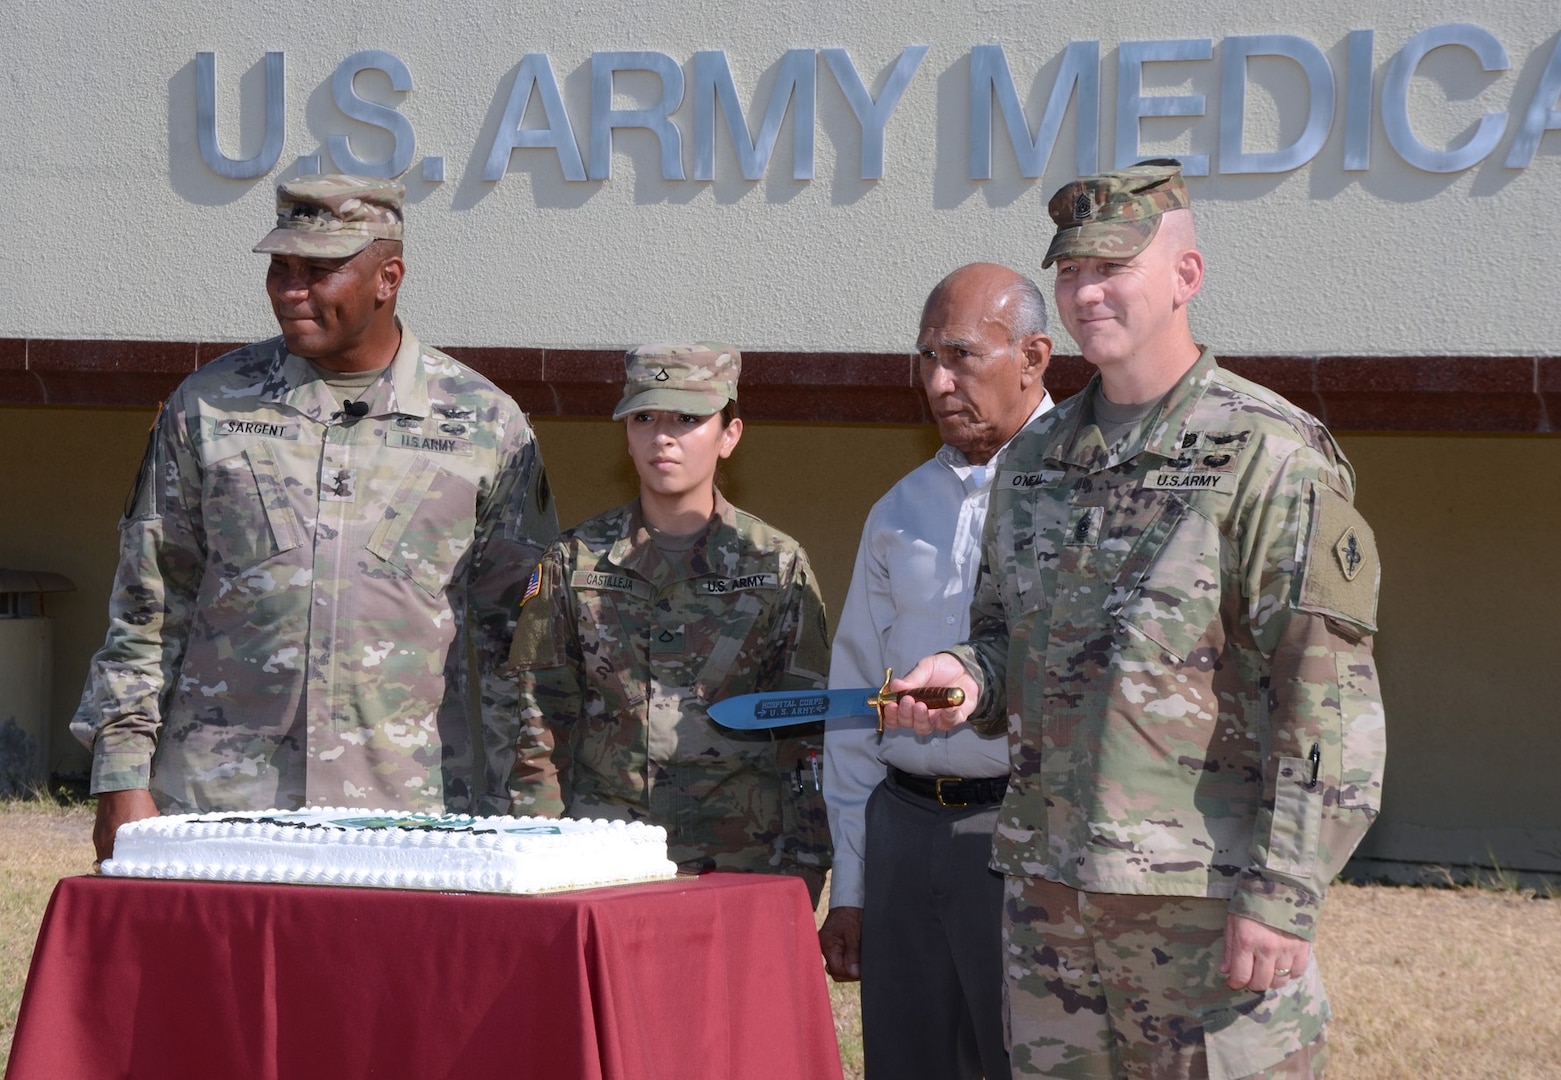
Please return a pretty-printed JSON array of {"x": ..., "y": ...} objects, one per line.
[
  {"x": 333, "y": 217},
  {"x": 1114, "y": 215},
  {"x": 695, "y": 377}
]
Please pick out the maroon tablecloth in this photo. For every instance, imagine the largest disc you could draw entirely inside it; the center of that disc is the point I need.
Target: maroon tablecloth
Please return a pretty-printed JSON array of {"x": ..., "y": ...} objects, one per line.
[{"x": 716, "y": 976}]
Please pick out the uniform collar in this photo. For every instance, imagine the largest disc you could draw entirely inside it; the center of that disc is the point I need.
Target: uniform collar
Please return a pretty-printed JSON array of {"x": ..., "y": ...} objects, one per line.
[
  {"x": 1076, "y": 442},
  {"x": 637, "y": 553},
  {"x": 293, "y": 382}
]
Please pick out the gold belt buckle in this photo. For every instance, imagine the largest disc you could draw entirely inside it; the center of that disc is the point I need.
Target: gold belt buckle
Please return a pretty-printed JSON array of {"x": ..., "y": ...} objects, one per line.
[{"x": 938, "y": 788}]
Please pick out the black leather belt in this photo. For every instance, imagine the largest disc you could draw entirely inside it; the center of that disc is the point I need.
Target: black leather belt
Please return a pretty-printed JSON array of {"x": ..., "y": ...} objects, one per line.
[{"x": 952, "y": 792}]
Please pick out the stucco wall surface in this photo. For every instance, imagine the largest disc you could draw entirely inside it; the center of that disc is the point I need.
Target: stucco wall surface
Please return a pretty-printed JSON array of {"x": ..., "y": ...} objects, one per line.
[
  {"x": 120, "y": 230},
  {"x": 1465, "y": 651}
]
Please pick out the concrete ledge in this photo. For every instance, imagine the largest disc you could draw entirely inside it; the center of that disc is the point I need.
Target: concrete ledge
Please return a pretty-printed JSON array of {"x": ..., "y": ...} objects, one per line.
[
  {"x": 1468, "y": 394},
  {"x": 1425, "y": 855}
]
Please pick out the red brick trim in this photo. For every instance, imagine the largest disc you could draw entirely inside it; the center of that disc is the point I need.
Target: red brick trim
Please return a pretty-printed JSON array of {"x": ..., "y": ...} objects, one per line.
[{"x": 1477, "y": 394}]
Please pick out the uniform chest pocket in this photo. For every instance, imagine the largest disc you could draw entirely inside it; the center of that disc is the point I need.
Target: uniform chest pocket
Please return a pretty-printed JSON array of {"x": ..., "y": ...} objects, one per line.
[
  {"x": 1100, "y": 543},
  {"x": 428, "y": 525},
  {"x": 1168, "y": 589},
  {"x": 725, "y": 652},
  {"x": 1022, "y": 535},
  {"x": 246, "y": 511}
]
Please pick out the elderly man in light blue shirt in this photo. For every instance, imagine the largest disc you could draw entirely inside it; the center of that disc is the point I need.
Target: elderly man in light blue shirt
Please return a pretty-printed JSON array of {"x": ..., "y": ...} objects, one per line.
[{"x": 915, "y": 913}]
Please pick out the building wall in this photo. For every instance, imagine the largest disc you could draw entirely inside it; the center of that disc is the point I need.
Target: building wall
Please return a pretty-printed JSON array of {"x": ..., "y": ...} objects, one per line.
[
  {"x": 1468, "y": 648},
  {"x": 1399, "y": 276},
  {"x": 127, "y": 228},
  {"x": 1468, "y": 644},
  {"x": 67, "y": 472}
]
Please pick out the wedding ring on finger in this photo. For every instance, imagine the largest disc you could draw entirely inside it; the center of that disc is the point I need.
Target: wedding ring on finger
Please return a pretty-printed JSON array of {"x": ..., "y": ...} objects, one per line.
[{"x": 1281, "y": 971}]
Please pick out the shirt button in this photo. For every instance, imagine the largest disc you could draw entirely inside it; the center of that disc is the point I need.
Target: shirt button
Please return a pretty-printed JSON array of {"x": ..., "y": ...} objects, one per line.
[{"x": 949, "y": 620}]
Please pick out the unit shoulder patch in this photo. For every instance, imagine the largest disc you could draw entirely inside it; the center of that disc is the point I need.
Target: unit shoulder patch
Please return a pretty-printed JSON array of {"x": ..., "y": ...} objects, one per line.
[
  {"x": 1341, "y": 571},
  {"x": 142, "y": 502}
]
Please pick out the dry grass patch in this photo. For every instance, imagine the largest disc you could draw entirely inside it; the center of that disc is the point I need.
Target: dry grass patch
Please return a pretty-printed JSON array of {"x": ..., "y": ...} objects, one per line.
[
  {"x": 1452, "y": 984},
  {"x": 845, "y": 1001},
  {"x": 39, "y": 844},
  {"x": 1456, "y": 984}
]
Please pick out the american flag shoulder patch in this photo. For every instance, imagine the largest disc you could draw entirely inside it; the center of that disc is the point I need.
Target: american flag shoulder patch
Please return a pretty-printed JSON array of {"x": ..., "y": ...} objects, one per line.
[{"x": 533, "y": 586}]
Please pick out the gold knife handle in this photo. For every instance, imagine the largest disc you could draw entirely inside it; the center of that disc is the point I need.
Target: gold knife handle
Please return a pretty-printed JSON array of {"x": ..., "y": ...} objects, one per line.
[{"x": 934, "y": 697}]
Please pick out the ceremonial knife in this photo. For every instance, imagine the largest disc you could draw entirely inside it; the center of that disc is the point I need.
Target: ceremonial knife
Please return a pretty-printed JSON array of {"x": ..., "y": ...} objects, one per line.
[{"x": 780, "y": 708}]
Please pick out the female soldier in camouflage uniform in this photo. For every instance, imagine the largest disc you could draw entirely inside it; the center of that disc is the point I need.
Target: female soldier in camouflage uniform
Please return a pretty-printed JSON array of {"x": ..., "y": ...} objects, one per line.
[{"x": 640, "y": 617}]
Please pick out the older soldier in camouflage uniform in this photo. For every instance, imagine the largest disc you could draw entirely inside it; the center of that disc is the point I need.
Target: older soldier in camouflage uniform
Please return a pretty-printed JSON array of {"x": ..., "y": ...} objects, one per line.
[
  {"x": 321, "y": 523},
  {"x": 1173, "y": 620},
  {"x": 639, "y": 618}
]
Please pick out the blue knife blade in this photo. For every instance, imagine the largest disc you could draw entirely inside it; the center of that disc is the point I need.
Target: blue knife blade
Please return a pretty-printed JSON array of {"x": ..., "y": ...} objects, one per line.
[{"x": 781, "y": 708}]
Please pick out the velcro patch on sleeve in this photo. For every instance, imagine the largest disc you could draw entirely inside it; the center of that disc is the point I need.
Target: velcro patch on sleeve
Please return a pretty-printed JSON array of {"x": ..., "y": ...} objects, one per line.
[
  {"x": 142, "y": 503},
  {"x": 538, "y": 640},
  {"x": 1341, "y": 571},
  {"x": 536, "y": 643}
]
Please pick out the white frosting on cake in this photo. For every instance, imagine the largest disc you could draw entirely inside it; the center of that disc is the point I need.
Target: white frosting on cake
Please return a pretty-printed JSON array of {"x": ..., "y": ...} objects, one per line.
[{"x": 386, "y": 849}]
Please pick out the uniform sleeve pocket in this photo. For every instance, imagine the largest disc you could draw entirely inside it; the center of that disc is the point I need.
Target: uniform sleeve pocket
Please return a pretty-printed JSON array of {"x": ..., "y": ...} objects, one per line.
[
  {"x": 1297, "y": 820},
  {"x": 427, "y": 526},
  {"x": 1023, "y": 587},
  {"x": 1364, "y": 744}
]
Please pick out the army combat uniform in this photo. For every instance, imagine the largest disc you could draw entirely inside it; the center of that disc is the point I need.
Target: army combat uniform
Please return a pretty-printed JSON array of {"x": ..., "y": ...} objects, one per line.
[
  {"x": 1176, "y": 632},
  {"x": 618, "y": 654},
  {"x": 290, "y": 619}
]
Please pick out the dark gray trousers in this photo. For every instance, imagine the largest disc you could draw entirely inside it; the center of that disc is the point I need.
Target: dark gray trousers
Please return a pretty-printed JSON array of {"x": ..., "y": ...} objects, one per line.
[{"x": 932, "y": 942}]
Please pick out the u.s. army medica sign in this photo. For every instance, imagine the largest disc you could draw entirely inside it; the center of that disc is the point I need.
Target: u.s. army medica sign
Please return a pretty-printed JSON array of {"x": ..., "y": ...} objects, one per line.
[{"x": 577, "y": 135}]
